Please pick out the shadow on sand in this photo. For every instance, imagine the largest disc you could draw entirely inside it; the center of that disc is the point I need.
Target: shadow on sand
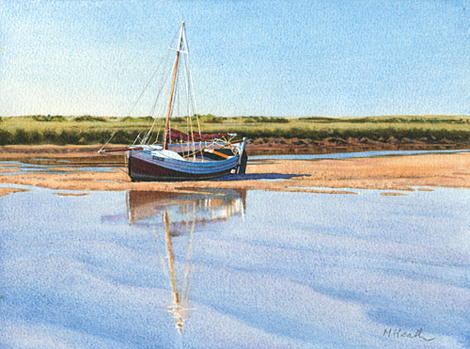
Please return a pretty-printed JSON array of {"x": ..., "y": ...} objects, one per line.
[{"x": 259, "y": 176}]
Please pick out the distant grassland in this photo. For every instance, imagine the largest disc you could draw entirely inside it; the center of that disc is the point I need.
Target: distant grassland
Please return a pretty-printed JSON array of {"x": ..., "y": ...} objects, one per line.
[{"x": 85, "y": 130}]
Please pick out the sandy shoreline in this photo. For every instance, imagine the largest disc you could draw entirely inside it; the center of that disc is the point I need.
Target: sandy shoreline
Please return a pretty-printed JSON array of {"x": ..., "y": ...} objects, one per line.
[{"x": 385, "y": 173}]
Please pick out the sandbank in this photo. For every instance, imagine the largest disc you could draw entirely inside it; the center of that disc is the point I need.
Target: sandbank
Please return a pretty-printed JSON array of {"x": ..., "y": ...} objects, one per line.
[
  {"x": 398, "y": 173},
  {"x": 6, "y": 191}
]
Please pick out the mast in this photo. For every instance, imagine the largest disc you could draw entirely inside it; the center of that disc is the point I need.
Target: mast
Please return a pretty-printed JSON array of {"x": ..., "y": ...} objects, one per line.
[{"x": 167, "y": 124}]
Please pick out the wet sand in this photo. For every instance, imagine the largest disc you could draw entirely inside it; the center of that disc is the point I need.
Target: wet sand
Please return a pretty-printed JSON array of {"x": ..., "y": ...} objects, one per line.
[
  {"x": 323, "y": 176},
  {"x": 270, "y": 147},
  {"x": 6, "y": 191}
]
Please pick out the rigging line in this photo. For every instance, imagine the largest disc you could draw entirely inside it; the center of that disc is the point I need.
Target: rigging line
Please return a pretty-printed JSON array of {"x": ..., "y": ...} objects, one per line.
[
  {"x": 189, "y": 125},
  {"x": 188, "y": 97},
  {"x": 107, "y": 142},
  {"x": 163, "y": 82},
  {"x": 188, "y": 111},
  {"x": 187, "y": 105},
  {"x": 148, "y": 83},
  {"x": 175, "y": 107},
  {"x": 191, "y": 82},
  {"x": 162, "y": 87},
  {"x": 152, "y": 112},
  {"x": 186, "y": 283},
  {"x": 158, "y": 254},
  {"x": 109, "y": 162},
  {"x": 158, "y": 134},
  {"x": 149, "y": 133},
  {"x": 186, "y": 75},
  {"x": 149, "y": 139},
  {"x": 137, "y": 138},
  {"x": 174, "y": 37},
  {"x": 155, "y": 118},
  {"x": 176, "y": 97},
  {"x": 165, "y": 59}
]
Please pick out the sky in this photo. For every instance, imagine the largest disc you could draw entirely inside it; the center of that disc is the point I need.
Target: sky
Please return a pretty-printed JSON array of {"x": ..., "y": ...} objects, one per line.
[{"x": 262, "y": 58}]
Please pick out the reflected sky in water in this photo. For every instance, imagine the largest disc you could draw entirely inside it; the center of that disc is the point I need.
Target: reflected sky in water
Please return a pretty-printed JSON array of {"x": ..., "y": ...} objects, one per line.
[
  {"x": 351, "y": 155},
  {"x": 250, "y": 269}
]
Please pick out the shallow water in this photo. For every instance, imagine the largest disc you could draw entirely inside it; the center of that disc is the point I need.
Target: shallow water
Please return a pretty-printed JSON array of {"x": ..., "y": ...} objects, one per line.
[
  {"x": 62, "y": 168},
  {"x": 362, "y": 154},
  {"x": 235, "y": 269}
]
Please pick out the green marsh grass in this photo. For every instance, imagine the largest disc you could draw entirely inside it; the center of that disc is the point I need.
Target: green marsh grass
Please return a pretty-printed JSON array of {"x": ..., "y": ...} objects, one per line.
[{"x": 88, "y": 129}]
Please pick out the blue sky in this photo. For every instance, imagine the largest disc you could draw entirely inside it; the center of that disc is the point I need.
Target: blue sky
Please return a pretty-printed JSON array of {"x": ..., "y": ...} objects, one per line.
[{"x": 272, "y": 58}]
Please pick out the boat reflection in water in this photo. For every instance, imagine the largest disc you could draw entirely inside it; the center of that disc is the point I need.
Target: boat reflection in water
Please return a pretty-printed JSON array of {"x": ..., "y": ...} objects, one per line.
[{"x": 180, "y": 214}]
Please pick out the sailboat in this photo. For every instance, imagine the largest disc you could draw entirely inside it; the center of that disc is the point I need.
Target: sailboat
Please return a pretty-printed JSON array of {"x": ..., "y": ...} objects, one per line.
[{"x": 189, "y": 155}]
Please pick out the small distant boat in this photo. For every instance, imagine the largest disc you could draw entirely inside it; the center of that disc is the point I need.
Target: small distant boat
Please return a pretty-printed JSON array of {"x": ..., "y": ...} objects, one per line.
[{"x": 189, "y": 155}]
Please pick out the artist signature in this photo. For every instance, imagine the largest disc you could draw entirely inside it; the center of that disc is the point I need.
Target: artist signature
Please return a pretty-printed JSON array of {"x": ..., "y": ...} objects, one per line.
[{"x": 398, "y": 333}]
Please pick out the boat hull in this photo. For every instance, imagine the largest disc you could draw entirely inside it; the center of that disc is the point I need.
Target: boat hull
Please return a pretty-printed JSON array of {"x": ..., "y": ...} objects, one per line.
[{"x": 143, "y": 166}]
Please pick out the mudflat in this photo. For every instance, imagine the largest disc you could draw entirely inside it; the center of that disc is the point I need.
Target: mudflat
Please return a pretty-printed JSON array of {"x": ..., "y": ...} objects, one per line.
[{"x": 399, "y": 172}]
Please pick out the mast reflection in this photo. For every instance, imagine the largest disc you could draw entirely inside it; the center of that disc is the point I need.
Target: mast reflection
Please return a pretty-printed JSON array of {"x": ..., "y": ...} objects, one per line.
[{"x": 180, "y": 214}]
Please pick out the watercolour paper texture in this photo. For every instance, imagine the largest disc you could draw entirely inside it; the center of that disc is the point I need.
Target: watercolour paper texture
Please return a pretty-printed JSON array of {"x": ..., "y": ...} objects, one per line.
[{"x": 334, "y": 242}]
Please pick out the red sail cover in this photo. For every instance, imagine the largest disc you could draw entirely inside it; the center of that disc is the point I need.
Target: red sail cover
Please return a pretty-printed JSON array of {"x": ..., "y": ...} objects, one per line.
[{"x": 177, "y": 136}]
